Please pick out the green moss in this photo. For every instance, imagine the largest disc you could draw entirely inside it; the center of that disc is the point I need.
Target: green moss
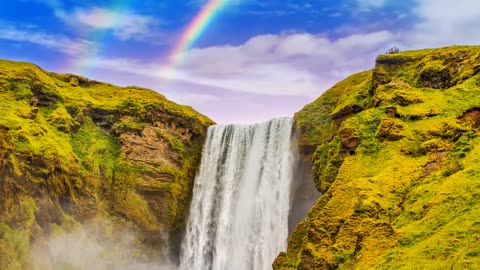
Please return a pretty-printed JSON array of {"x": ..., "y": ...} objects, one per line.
[
  {"x": 406, "y": 196},
  {"x": 177, "y": 145},
  {"x": 129, "y": 124},
  {"x": 66, "y": 145},
  {"x": 14, "y": 247},
  {"x": 327, "y": 161},
  {"x": 345, "y": 98},
  {"x": 97, "y": 150},
  {"x": 62, "y": 120},
  {"x": 342, "y": 256}
]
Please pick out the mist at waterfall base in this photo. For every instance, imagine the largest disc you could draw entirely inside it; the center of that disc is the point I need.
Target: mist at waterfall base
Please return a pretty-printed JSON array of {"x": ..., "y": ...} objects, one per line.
[
  {"x": 238, "y": 218},
  {"x": 239, "y": 212},
  {"x": 91, "y": 246}
]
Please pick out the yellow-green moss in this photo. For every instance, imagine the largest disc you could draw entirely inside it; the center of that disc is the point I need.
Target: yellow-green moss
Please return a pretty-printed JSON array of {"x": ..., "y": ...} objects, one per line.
[
  {"x": 63, "y": 158},
  {"x": 14, "y": 247},
  {"x": 406, "y": 183},
  {"x": 345, "y": 98}
]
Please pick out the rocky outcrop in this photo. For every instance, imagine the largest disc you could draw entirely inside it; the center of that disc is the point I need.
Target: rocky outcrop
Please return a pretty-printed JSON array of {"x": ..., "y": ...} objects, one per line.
[
  {"x": 396, "y": 158},
  {"x": 73, "y": 150}
]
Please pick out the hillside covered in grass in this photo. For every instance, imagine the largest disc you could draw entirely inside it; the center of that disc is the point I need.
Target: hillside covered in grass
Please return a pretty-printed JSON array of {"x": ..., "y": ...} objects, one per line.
[
  {"x": 73, "y": 150},
  {"x": 396, "y": 154}
]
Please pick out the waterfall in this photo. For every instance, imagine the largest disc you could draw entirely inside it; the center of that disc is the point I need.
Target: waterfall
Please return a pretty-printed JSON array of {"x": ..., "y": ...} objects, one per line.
[{"x": 239, "y": 212}]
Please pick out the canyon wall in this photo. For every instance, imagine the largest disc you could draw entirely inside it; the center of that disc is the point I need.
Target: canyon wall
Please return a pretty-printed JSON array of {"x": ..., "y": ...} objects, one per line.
[
  {"x": 396, "y": 155},
  {"x": 76, "y": 151}
]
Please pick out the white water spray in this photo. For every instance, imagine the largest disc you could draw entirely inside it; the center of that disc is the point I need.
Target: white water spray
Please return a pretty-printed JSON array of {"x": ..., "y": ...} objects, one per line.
[{"x": 241, "y": 198}]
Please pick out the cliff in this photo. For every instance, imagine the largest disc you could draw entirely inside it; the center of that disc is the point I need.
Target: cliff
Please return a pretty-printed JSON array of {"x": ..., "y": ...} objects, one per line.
[
  {"x": 395, "y": 152},
  {"x": 74, "y": 150}
]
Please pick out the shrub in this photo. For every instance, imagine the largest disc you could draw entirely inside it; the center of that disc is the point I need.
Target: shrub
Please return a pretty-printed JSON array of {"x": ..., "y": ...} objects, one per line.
[{"x": 393, "y": 50}]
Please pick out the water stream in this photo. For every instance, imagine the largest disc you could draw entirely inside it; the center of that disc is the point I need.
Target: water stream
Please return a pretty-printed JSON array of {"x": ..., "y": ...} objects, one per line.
[{"x": 239, "y": 212}]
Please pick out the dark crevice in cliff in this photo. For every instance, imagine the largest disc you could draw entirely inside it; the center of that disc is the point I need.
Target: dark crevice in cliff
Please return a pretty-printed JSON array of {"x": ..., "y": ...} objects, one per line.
[{"x": 304, "y": 194}]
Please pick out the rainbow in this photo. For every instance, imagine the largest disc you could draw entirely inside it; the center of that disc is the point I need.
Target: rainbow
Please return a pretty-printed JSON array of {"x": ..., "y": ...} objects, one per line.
[
  {"x": 81, "y": 64},
  {"x": 192, "y": 32}
]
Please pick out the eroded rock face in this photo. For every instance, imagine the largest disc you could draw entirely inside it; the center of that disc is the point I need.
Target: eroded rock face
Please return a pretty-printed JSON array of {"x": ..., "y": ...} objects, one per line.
[
  {"x": 435, "y": 77},
  {"x": 149, "y": 148},
  {"x": 73, "y": 150},
  {"x": 390, "y": 130},
  {"x": 349, "y": 137}
]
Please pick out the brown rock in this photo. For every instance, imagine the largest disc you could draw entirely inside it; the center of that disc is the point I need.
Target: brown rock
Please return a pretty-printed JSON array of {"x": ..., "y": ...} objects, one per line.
[
  {"x": 471, "y": 118},
  {"x": 349, "y": 138},
  {"x": 390, "y": 130},
  {"x": 391, "y": 112},
  {"x": 148, "y": 148}
]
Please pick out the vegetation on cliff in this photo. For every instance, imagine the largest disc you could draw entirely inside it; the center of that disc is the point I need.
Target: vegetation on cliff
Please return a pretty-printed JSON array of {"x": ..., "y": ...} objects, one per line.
[
  {"x": 73, "y": 150},
  {"x": 396, "y": 155}
]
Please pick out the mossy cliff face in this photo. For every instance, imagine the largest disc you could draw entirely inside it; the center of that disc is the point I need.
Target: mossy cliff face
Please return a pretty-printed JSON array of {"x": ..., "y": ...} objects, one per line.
[
  {"x": 74, "y": 150},
  {"x": 397, "y": 157}
]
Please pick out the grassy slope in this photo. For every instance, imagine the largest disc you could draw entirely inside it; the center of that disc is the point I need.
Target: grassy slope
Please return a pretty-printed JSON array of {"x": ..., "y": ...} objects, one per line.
[
  {"x": 397, "y": 158},
  {"x": 61, "y": 158}
]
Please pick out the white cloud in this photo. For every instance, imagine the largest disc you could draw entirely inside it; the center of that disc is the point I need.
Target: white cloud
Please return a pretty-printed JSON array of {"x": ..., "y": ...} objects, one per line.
[
  {"x": 445, "y": 22},
  {"x": 35, "y": 36},
  {"x": 124, "y": 24},
  {"x": 303, "y": 64},
  {"x": 295, "y": 64},
  {"x": 298, "y": 64}
]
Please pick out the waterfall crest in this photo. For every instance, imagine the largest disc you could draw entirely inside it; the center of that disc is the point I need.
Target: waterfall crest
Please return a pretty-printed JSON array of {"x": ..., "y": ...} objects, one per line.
[{"x": 239, "y": 212}]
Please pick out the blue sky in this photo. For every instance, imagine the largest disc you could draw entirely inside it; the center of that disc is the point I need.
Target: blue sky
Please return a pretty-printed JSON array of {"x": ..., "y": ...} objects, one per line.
[{"x": 256, "y": 60}]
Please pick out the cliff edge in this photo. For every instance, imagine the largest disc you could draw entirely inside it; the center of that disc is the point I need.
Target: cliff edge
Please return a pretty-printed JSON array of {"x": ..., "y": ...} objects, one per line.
[
  {"x": 73, "y": 150},
  {"x": 395, "y": 152}
]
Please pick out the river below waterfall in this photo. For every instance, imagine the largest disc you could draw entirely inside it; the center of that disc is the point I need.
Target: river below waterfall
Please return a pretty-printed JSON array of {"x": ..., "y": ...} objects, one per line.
[{"x": 239, "y": 212}]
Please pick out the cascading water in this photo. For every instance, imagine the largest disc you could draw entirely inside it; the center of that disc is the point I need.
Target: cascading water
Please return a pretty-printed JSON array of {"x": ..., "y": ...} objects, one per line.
[{"x": 239, "y": 212}]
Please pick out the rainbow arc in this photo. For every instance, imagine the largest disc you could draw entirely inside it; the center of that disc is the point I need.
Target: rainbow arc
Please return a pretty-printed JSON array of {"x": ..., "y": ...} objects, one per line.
[{"x": 191, "y": 34}]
